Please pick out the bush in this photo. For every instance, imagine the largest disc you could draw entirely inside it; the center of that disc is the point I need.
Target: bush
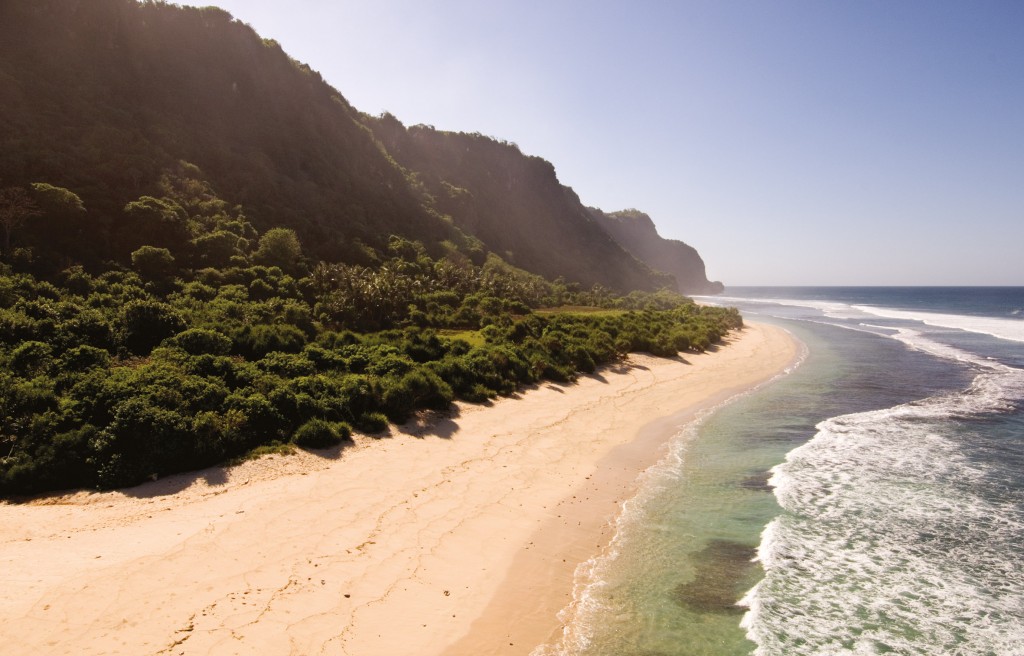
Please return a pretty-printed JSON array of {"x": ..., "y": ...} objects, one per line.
[
  {"x": 320, "y": 434},
  {"x": 324, "y": 359},
  {"x": 200, "y": 341},
  {"x": 153, "y": 263},
  {"x": 372, "y": 422},
  {"x": 143, "y": 440},
  {"x": 263, "y": 420},
  {"x": 421, "y": 388},
  {"x": 235, "y": 373},
  {"x": 31, "y": 359},
  {"x": 143, "y": 324},
  {"x": 286, "y": 365},
  {"x": 87, "y": 326},
  {"x": 384, "y": 360},
  {"x": 477, "y": 393},
  {"x": 680, "y": 341},
  {"x": 279, "y": 247},
  {"x": 198, "y": 291},
  {"x": 84, "y": 357},
  {"x": 76, "y": 280},
  {"x": 222, "y": 433},
  {"x": 257, "y": 341},
  {"x": 215, "y": 248}
]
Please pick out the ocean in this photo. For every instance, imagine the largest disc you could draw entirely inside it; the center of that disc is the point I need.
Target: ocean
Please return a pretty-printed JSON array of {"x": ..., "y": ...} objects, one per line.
[{"x": 869, "y": 501}]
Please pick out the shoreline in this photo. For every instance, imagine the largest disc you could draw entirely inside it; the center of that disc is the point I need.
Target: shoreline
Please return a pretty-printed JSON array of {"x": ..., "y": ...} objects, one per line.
[
  {"x": 531, "y": 614},
  {"x": 458, "y": 535}
]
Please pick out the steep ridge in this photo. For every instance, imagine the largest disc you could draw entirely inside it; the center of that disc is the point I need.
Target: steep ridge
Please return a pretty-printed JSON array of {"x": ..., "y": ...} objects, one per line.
[
  {"x": 104, "y": 97},
  {"x": 638, "y": 235},
  {"x": 101, "y": 97},
  {"x": 514, "y": 204}
]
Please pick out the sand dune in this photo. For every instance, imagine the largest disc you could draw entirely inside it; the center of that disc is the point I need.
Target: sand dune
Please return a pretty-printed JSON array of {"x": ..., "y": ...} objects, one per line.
[{"x": 457, "y": 535}]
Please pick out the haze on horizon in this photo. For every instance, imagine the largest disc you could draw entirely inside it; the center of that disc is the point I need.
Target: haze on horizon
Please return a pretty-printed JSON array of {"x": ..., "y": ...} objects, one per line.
[{"x": 791, "y": 143}]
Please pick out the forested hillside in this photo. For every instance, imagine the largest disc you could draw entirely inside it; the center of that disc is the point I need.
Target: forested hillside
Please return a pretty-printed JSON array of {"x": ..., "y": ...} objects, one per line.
[
  {"x": 206, "y": 252},
  {"x": 514, "y": 204},
  {"x": 102, "y": 97}
]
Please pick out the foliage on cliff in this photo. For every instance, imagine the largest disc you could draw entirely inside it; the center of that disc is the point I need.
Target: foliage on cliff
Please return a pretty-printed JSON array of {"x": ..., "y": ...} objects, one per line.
[
  {"x": 101, "y": 97},
  {"x": 359, "y": 272},
  {"x": 219, "y": 339},
  {"x": 514, "y": 204}
]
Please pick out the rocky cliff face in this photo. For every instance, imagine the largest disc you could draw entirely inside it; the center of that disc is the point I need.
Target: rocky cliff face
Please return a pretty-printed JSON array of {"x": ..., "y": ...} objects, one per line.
[{"x": 636, "y": 232}]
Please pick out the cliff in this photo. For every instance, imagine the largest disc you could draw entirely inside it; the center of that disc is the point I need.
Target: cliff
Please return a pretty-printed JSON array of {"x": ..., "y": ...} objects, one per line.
[
  {"x": 637, "y": 234},
  {"x": 104, "y": 97}
]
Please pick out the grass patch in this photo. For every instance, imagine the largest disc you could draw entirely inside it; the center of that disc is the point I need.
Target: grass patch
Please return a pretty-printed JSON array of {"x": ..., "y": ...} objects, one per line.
[
  {"x": 274, "y": 448},
  {"x": 472, "y": 337},
  {"x": 582, "y": 310}
]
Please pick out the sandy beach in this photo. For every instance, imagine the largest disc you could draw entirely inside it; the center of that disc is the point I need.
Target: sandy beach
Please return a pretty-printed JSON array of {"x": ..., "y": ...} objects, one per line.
[{"x": 456, "y": 535}]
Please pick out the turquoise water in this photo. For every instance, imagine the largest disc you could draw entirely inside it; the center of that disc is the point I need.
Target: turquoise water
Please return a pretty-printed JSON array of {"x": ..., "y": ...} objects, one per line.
[{"x": 870, "y": 501}]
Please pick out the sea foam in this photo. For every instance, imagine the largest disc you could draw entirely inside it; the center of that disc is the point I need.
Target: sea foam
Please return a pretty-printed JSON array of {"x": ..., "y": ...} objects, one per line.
[
  {"x": 582, "y": 618},
  {"x": 893, "y": 539},
  {"x": 1009, "y": 329}
]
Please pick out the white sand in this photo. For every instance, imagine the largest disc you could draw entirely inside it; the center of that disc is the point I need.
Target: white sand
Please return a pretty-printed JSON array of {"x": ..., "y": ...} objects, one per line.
[{"x": 457, "y": 536}]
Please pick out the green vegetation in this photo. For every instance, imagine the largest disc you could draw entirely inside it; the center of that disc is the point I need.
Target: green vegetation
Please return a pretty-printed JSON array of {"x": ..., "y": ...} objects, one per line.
[
  {"x": 368, "y": 270},
  {"x": 514, "y": 205},
  {"x": 127, "y": 89},
  {"x": 214, "y": 340}
]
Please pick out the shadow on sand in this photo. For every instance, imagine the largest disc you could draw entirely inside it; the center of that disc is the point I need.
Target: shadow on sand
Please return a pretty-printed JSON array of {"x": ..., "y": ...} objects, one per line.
[
  {"x": 433, "y": 423},
  {"x": 424, "y": 424},
  {"x": 213, "y": 476}
]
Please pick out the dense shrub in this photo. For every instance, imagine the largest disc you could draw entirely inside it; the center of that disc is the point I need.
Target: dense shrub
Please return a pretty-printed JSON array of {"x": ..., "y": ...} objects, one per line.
[
  {"x": 143, "y": 324},
  {"x": 87, "y": 326},
  {"x": 262, "y": 420},
  {"x": 287, "y": 365},
  {"x": 257, "y": 341},
  {"x": 31, "y": 359},
  {"x": 372, "y": 422},
  {"x": 84, "y": 357},
  {"x": 145, "y": 440},
  {"x": 199, "y": 341},
  {"x": 320, "y": 434},
  {"x": 156, "y": 264},
  {"x": 109, "y": 379},
  {"x": 420, "y": 388}
]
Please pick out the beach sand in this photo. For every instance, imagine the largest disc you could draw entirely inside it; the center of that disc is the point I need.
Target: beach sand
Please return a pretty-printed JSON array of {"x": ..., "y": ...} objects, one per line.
[{"x": 457, "y": 535}]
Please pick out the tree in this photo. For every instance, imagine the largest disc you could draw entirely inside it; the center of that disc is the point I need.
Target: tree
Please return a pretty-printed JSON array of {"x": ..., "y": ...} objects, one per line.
[
  {"x": 215, "y": 249},
  {"x": 159, "y": 221},
  {"x": 16, "y": 207},
  {"x": 57, "y": 201},
  {"x": 155, "y": 264},
  {"x": 59, "y": 235},
  {"x": 279, "y": 247},
  {"x": 144, "y": 324}
]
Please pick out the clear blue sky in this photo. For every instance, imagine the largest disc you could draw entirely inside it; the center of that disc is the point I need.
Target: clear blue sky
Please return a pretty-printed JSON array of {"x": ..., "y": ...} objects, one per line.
[{"x": 791, "y": 142}]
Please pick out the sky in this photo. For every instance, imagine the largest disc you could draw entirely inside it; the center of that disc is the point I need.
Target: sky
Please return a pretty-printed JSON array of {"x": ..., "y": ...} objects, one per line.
[{"x": 792, "y": 142}]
